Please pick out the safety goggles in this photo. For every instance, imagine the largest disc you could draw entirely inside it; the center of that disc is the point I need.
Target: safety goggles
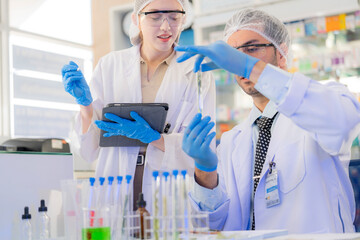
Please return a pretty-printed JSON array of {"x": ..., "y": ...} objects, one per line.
[
  {"x": 255, "y": 50},
  {"x": 156, "y": 18}
]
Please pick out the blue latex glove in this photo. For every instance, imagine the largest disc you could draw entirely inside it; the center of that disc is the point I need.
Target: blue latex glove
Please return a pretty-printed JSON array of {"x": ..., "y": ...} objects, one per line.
[
  {"x": 221, "y": 55},
  {"x": 138, "y": 129},
  {"x": 196, "y": 143},
  {"x": 75, "y": 84}
]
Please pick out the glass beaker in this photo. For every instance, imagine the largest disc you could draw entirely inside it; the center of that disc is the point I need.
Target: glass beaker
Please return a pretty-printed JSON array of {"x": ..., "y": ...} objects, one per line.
[{"x": 96, "y": 224}]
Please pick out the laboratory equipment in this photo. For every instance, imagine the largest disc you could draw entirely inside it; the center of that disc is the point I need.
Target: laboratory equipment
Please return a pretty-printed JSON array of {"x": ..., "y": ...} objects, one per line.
[
  {"x": 116, "y": 212},
  {"x": 155, "y": 208},
  {"x": 142, "y": 212},
  {"x": 174, "y": 221},
  {"x": 26, "y": 232},
  {"x": 100, "y": 193},
  {"x": 75, "y": 195},
  {"x": 199, "y": 92},
  {"x": 185, "y": 210},
  {"x": 43, "y": 222},
  {"x": 117, "y": 196},
  {"x": 175, "y": 202},
  {"x": 165, "y": 192},
  {"x": 109, "y": 197},
  {"x": 127, "y": 208},
  {"x": 36, "y": 145},
  {"x": 96, "y": 217},
  {"x": 96, "y": 224}
]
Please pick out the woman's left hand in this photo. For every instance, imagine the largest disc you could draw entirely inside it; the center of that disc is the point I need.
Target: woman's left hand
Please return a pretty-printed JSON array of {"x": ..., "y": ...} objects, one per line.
[{"x": 138, "y": 129}]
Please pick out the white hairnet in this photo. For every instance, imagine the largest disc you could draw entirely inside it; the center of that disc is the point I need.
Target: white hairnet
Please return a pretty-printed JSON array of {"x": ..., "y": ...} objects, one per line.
[
  {"x": 264, "y": 24},
  {"x": 139, "y": 5}
]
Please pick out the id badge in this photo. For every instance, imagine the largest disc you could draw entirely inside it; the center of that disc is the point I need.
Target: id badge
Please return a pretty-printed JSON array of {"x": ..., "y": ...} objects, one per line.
[{"x": 272, "y": 189}]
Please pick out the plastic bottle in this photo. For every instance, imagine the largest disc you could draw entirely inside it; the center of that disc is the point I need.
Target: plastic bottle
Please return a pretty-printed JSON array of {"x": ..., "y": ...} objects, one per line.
[
  {"x": 43, "y": 222},
  {"x": 26, "y": 233},
  {"x": 141, "y": 204}
]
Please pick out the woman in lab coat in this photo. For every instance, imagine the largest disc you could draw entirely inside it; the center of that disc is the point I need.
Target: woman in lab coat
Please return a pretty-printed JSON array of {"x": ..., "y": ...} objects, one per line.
[{"x": 119, "y": 78}]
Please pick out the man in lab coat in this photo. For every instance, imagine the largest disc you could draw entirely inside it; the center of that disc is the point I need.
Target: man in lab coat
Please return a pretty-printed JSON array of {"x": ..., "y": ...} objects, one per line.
[{"x": 286, "y": 165}]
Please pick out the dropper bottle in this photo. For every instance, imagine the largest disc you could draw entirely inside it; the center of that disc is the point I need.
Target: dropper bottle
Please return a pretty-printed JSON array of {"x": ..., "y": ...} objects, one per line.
[
  {"x": 26, "y": 233},
  {"x": 43, "y": 222},
  {"x": 141, "y": 204}
]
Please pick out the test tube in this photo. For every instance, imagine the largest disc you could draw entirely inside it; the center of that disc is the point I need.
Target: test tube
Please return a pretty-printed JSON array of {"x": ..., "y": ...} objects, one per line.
[
  {"x": 164, "y": 192},
  {"x": 184, "y": 205},
  {"x": 155, "y": 207},
  {"x": 100, "y": 192},
  {"x": 108, "y": 199},
  {"x": 199, "y": 91},
  {"x": 91, "y": 202},
  {"x": 117, "y": 200},
  {"x": 126, "y": 207},
  {"x": 175, "y": 197}
]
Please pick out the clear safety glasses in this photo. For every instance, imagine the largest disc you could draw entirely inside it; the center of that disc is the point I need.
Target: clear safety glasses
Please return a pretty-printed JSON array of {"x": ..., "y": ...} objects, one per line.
[
  {"x": 156, "y": 18},
  {"x": 255, "y": 50}
]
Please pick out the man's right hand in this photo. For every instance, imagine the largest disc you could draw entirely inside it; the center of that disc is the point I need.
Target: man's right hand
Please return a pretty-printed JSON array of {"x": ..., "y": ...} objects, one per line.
[
  {"x": 196, "y": 143},
  {"x": 75, "y": 84},
  {"x": 222, "y": 55}
]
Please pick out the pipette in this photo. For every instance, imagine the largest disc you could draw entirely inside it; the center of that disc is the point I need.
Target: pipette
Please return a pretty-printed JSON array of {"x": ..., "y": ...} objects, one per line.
[
  {"x": 164, "y": 190},
  {"x": 155, "y": 207}
]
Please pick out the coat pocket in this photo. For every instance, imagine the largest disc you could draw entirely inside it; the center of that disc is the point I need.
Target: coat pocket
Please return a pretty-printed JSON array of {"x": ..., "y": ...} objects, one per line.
[{"x": 290, "y": 162}]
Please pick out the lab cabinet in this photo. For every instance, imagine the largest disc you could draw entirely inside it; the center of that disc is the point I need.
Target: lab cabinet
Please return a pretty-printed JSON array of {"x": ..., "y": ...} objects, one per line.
[{"x": 25, "y": 179}]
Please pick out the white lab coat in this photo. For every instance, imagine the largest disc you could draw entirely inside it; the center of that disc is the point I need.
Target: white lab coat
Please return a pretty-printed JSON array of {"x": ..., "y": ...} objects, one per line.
[
  {"x": 310, "y": 145},
  {"x": 116, "y": 79}
]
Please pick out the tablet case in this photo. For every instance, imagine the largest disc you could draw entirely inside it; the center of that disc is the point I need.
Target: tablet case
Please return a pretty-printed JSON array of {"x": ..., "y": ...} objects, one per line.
[{"x": 153, "y": 113}]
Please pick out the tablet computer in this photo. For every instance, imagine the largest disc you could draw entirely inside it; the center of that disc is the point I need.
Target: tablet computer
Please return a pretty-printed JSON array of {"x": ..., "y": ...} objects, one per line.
[{"x": 153, "y": 113}]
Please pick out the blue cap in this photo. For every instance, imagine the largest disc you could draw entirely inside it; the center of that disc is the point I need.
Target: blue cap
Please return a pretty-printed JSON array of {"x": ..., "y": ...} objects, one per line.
[
  {"x": 102, "y": 180},
  {"x": 175, "y": 173},
  {"x": 110, "y": 179},
  {"x": 128, "y": 178},
  {"x": 119, "y": 178},
  {"x": 155, "y": 174},
  {"x": 166, "y": 174},
  {"x": 183, "y": 173},
  {"x": 92, "y": 181}
]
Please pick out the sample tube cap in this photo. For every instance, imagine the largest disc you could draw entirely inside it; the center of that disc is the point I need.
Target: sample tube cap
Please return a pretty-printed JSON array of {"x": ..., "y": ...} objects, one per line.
[
  {"x": 155, "y": 174},
  {"x": 119, "y": 178},
  {"x": 128, "y": 178},
  {"x": 141, "y": 202},
  {"x": 26, "y": 214},
  {"x": 166, "y": 175},
  {"x": 110, "y": 180},
  {"x": 42, "y": 207},
  {"x": 102, "y": 180}
]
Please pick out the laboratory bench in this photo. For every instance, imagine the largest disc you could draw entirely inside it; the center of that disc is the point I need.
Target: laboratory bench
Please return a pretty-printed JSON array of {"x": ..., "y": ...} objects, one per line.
[{"x": 28, "y": 177}]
